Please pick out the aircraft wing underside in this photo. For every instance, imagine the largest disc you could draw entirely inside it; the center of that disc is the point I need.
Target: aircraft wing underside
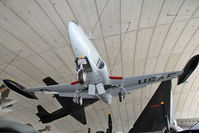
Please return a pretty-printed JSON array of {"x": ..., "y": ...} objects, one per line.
[
  {"x": 63, "y": 90},
  {"x": 135, "y": 82},
  {"x": 66, "y": 88},
  {"x": 129, "y": 83}
]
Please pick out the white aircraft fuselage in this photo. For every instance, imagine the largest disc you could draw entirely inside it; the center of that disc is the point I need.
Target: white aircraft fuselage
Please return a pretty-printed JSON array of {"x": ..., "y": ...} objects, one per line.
[
  {"x": 83, "y": 48},
  {"x": 93, "y": 77}
]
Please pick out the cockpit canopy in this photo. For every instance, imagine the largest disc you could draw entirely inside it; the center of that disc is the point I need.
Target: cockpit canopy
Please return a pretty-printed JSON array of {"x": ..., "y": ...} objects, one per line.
[{"x": 100, "y": 63}]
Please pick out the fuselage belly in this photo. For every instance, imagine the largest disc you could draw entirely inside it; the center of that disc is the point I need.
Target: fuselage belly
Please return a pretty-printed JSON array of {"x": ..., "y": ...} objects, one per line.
[{"x": 83, "y": 48}]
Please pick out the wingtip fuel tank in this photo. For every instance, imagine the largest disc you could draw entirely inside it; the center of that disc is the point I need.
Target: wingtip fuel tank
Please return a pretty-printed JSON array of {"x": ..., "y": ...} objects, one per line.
[
  {"x": 18, "y": 88},
  {"x": 189, "y": 68}
]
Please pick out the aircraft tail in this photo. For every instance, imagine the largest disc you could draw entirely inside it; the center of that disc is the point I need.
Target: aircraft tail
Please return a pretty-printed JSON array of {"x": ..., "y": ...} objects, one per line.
[
  {"x": 153, "y": 116},
  {"x": 79, "y": 115},
  {"x": 77, "y": 111},
  {"x": 42, "y": 113},
  {"x": 46, "y": 117},
  {"x": 49, "y": 81}
]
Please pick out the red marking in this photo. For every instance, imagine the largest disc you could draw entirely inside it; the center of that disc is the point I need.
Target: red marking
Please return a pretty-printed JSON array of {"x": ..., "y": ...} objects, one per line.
[
  {"x": 115, "y": 77},
  {"x": 73, "y": 83},
  {"x": 154, "y": 106}
]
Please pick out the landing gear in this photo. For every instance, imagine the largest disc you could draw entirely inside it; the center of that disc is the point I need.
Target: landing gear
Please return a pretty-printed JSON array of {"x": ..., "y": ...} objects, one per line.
[
  {"x": 80, "y": 101},
  {"x": 122, "y": 93},
  {"x": 81, "y": 62},
  {"x": 121, "y": 96},
  {"x": 77, "y": 98},
  {"x": 81, "y": 76}
]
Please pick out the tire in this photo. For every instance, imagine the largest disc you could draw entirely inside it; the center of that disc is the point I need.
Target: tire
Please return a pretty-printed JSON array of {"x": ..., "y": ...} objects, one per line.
[
  {"x": 80, "y": 77},
  {"x": 120, "y": 96},
  {"x": 80, "y": 101}
]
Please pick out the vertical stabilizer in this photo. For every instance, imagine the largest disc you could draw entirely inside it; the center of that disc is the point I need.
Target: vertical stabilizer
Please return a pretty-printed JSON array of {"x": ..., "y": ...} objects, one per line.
[{"x": 152, "y": 118}]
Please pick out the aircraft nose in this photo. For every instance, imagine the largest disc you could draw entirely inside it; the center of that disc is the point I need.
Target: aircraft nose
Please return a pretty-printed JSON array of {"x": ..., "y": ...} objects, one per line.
[{"x": 72, "y": 25}]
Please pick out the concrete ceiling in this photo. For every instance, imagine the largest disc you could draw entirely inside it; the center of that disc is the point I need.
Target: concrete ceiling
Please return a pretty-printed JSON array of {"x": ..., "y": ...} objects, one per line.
[{"x": 133, "y": 37}]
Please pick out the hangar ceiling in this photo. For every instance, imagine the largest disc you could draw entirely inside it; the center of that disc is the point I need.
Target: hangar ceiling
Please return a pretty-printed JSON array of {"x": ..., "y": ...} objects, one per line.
[{"x": 133, "y": 37}]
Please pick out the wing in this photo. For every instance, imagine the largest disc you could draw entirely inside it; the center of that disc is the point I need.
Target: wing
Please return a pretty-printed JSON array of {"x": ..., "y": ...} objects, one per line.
[
  {"x": 135, "y": 82},
  {"x": 65, "y": 90},
  {"x": 69, "y": 88}
]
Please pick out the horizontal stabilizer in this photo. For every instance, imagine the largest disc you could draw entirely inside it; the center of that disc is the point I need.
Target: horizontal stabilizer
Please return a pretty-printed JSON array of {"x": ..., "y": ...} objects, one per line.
[
  {"x": 18, "y": 88},
  {"x": 79, "y": 115},
  {"x": 49, "y": 81},
  {"x": 189, "y": 68},
  {"x": 42, "y": 113}
]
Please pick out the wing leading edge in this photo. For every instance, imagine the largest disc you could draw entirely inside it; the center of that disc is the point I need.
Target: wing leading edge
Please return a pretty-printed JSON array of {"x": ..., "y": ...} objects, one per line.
[{"x": 135, "y": 82}]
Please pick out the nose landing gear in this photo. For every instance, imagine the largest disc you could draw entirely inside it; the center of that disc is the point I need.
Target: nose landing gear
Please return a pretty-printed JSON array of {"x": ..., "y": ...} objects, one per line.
[
  {"x": 121, "y": 97},
  {"x": 81, "y": 76},
  {"x": 81, "y": 63}
]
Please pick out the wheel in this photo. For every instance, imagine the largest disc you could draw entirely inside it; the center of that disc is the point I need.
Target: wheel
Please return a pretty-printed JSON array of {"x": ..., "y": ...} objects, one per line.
[
  {"x": 81, "y": 77},
  {"x": 123, "y": 97},
  {"x": 77, "y": 101},
  {"x": 80, "y": 101},
  {"x": 120, "y": 96}
]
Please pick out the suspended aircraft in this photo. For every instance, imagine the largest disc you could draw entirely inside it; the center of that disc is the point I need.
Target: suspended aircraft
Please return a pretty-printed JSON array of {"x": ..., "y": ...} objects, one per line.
[
  {"x": 68, "y": 107},
  {"x": 94, "y": 80},
  {"x": 157, "y": 116}
]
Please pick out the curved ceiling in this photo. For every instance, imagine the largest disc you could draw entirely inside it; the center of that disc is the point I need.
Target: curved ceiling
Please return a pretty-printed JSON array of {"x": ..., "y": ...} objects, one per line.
[{"x": 132, "y": 36}]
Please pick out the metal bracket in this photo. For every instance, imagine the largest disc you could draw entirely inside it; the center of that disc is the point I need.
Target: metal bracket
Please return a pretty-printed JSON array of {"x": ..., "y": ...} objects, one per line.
[
  {"x": 123, "y": 90},
  {"x": 76, "y": 98}
]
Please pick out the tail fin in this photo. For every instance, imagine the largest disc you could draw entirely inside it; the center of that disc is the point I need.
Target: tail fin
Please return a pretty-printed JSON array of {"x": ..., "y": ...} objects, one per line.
[
  {"x": 152, "y": 118},
  {"x": 49, "y": 81},
  {"x": 79, "y": 115},
  {"x": 42, "y": 113}
]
